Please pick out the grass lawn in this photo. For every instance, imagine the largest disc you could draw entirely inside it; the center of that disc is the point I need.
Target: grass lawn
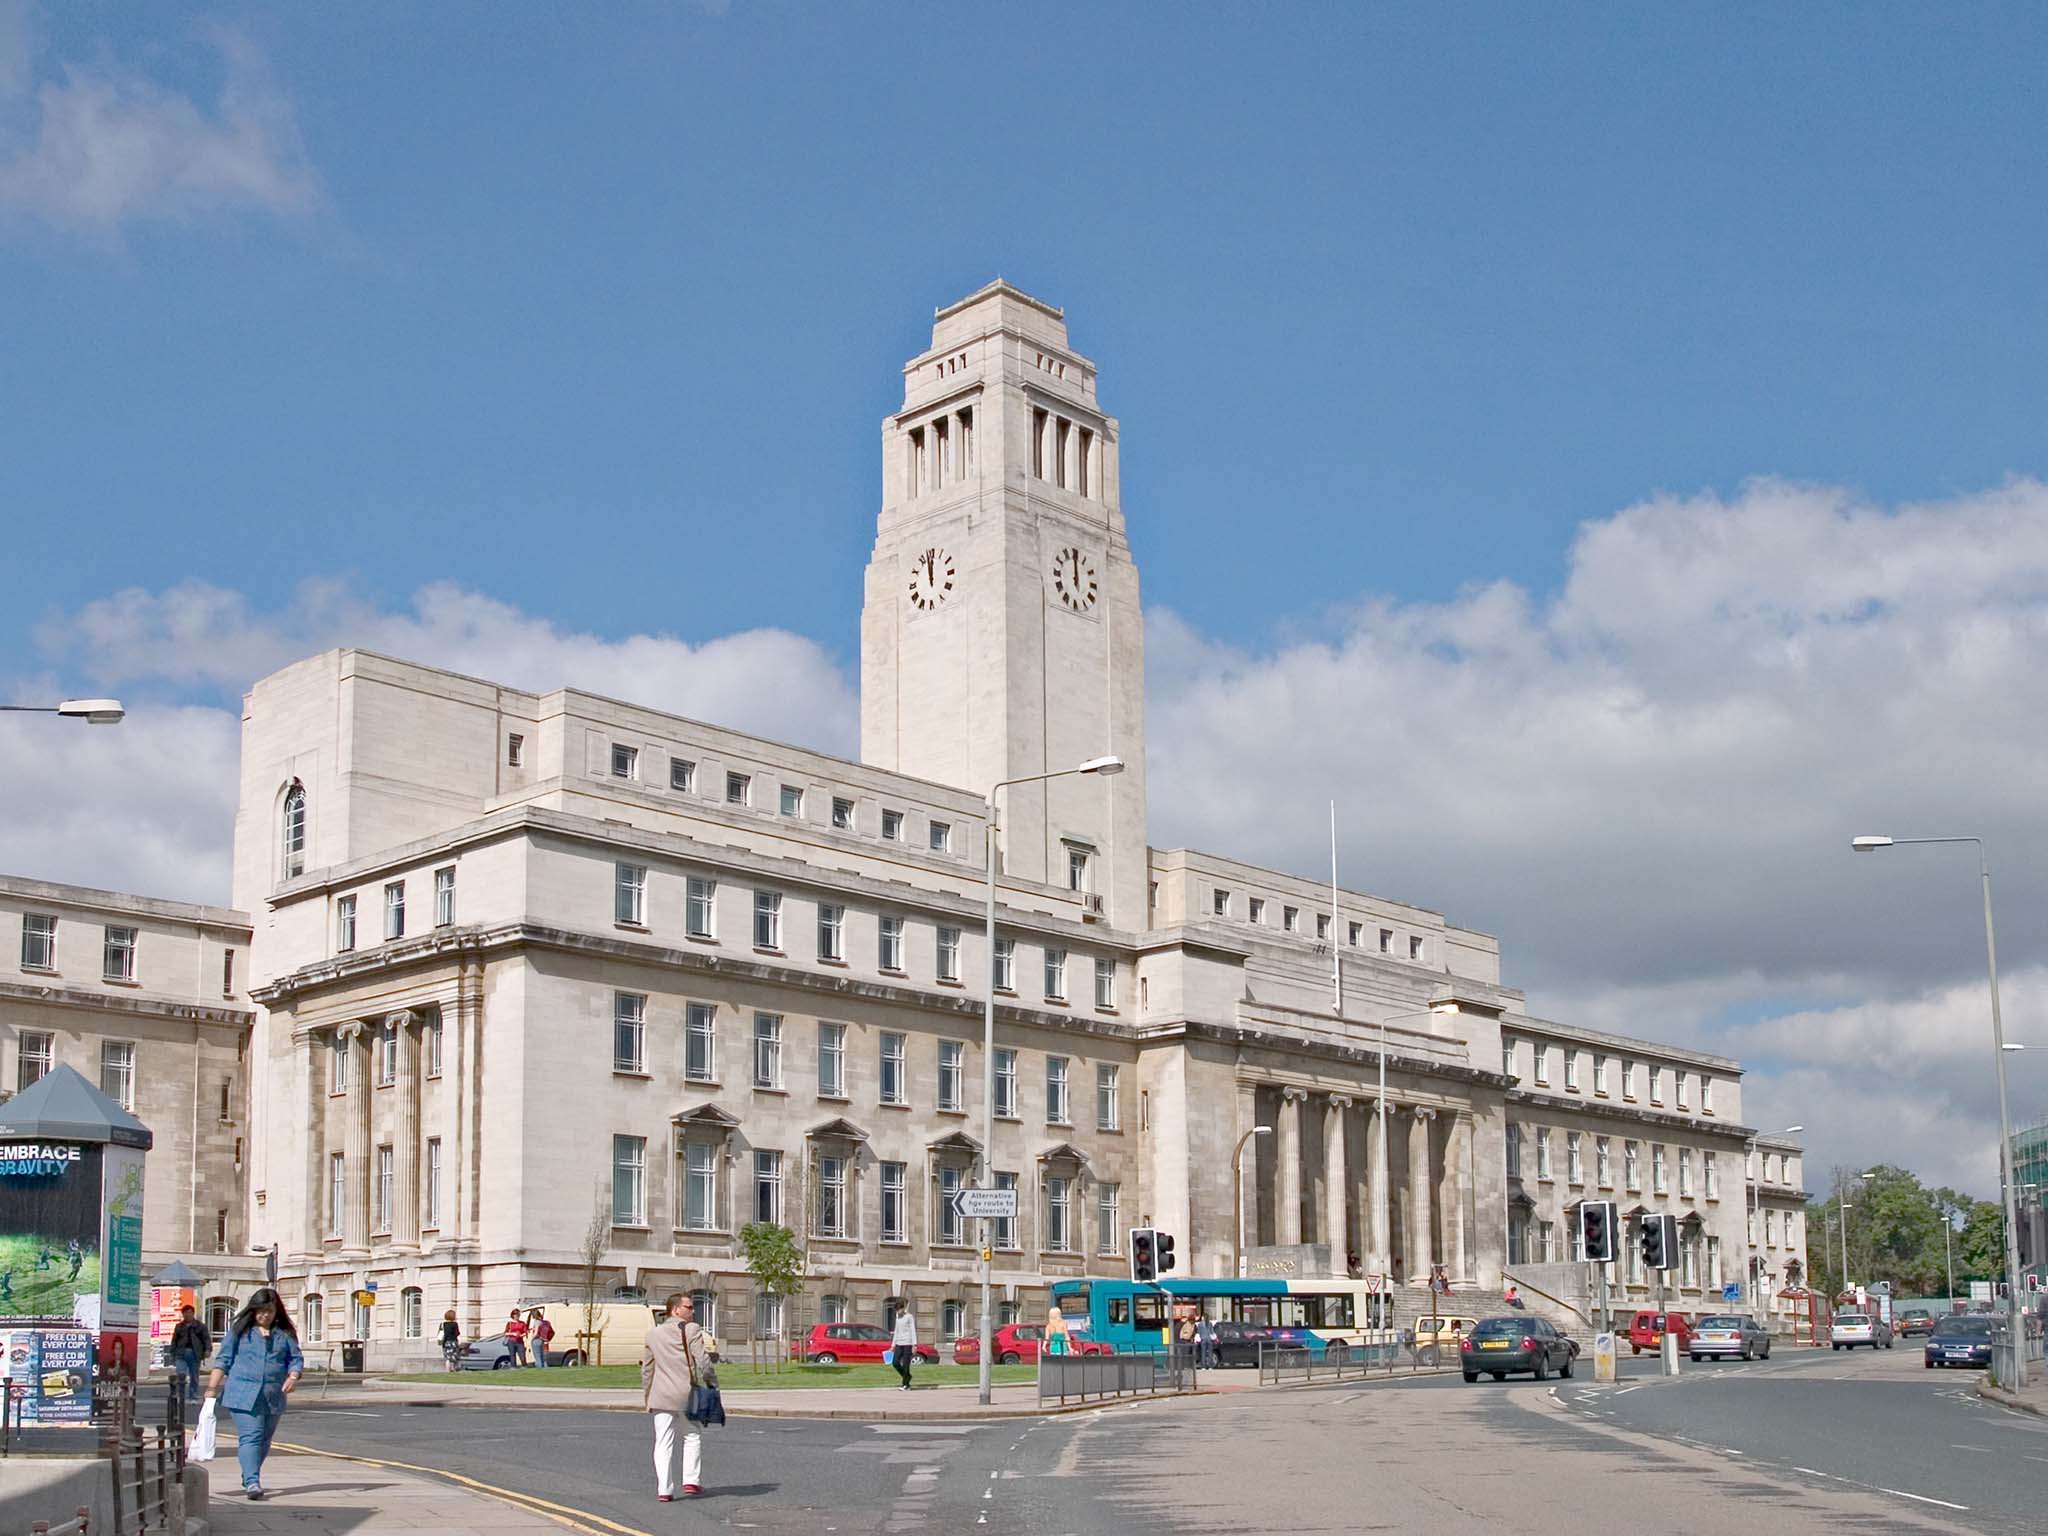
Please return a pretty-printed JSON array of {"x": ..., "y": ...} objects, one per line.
[{"x": 733, "y": 1376}]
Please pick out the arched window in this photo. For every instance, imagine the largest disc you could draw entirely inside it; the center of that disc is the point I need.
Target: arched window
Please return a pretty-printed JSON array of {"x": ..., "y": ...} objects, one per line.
[
  {"x": 410, "y": 1307},
  {"x": 294, "y": 830},
  {"x": 705, "y": 1310},
  {"x": 313, "y": 1319},
  {"x": 220, "y": 1311}
]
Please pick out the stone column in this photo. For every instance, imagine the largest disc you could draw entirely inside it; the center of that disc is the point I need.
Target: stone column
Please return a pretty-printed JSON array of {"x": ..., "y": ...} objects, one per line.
[
  {"x": 1376, "y": 1176},
  {"x": 355, "y": 1226},
  {"x": 1287, "y": 1175},
  {"x": 1247, "y": 1179},
  {"x": 405, "y": 1149},
  {"x": 1421, "y": 1242},
  {"x": 1460, "y": 1235},
  {"x": 1336, "y": 1179}
]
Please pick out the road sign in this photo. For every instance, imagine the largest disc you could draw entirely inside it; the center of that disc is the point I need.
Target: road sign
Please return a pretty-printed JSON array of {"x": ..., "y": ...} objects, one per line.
[
  {"x": 1732, "y": 1291},
  {"x": 983, "y": 1203}
]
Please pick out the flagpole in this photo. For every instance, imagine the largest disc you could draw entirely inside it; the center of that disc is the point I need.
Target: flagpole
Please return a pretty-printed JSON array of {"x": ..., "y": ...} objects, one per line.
[{"x": 1336, "y": 925}]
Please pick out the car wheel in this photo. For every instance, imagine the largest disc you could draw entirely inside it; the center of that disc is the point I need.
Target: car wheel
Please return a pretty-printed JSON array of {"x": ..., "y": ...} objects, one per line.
[
  {"x": 1887, "y": 1343},
  {"x": 1008, "y": 1357},
  {"x": 1695, "y": 1359},
  {"x": 1430, "y": 1356},
  {"x": 1565, "y": 1370},
  {"x": 1471, "y": 1376},
  {"x": 1838, "y": 1348},
  {"x": 502, "y": 1363},
  {"x": 827, "y": 1358},
  {"x": 1543, "y": 1367},
  {"x": 1498, "y": 1375},
  {"x": 1635, "y": 1349}
]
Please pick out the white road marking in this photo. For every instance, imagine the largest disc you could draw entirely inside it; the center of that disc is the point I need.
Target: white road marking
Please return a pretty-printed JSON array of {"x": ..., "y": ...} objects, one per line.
[
  {"x": 925, "y": 1429},
  {"x": 1624, "y": 1392},
  {"x": 1982, "y": 1450},
  {"x": 1922, "y": 1498}
]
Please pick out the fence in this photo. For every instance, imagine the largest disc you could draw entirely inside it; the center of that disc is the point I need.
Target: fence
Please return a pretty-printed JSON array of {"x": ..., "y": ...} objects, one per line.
[
  {"x": 1079, "y": 1378},
  {"x": 1280, "y": 1361},
  {"x": 138, "y": 1428}
]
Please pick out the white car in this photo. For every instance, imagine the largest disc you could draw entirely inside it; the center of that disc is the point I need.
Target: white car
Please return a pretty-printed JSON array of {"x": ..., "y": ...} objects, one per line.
[{"x": 1852, "y": 1328}]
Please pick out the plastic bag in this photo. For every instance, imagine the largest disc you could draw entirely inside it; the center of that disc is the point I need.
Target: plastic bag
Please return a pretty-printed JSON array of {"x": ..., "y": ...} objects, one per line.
[{"x": 205, "y": 1438}]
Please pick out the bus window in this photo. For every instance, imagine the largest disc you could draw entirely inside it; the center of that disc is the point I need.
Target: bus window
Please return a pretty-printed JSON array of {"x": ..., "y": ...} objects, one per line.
[
  {"x": 1119, "y": 1310},
  {"x": 1326, "y": 1311},
  {"x": 1254, "y": 1310},
  {"x": 1149, "y": 1312}
]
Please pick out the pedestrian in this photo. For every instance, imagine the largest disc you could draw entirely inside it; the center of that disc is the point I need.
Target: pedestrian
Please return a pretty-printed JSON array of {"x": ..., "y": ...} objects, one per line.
[
  {"x": 675, "y": 1357},
  {"x": 1205, "y": 1336},
  {"x": 1185, "y": 1339},
  {"x": 903, "y": 1344},
  {"x": 190, "y": 1344},
  {"x": 540, "y": 1331},
  {"x": 1057, "y": 1335},
  {"x": 515, "y": 1337},
  {"x": 451, "y": 1340},
  {"x": 260, "y": 1363}
]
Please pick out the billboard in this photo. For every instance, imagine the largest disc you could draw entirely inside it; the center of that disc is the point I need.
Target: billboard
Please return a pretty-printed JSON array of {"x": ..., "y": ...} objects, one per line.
[{"x": 51, "y": 1213}]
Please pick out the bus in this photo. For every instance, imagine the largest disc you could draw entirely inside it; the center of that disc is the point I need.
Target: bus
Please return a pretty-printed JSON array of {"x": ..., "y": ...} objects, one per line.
[{"x": 1335, "y": 1319}]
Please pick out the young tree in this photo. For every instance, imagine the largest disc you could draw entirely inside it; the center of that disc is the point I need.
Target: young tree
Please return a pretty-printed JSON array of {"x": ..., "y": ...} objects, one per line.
[
  {"x": 776, "y": 1261},
  {"x": 597, "y": 1237}
]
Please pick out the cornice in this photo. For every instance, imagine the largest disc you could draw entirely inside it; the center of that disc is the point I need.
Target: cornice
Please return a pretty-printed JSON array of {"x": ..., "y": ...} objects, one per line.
[{"x": 144, "y": 1006}]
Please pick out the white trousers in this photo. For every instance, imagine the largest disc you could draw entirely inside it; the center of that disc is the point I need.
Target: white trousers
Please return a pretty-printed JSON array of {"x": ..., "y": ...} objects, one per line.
[{"x": 665, "y": 1453}]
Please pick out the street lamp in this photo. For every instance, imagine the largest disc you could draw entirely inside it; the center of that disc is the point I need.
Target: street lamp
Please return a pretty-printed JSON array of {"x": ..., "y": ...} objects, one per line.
[
  {"x": 2014, "y": 1303},
  {"x": 1104, "y": 767},
  {"x": 91, "y": 711},
  {"x": 1754, "y": 1271},
  {"x": 1237, "y": 1187},
  {"x": 1842, "y": 1210}
]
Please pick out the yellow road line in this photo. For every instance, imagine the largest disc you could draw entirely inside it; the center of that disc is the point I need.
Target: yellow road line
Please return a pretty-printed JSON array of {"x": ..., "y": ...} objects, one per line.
[{"x": 575, "y": 1519}]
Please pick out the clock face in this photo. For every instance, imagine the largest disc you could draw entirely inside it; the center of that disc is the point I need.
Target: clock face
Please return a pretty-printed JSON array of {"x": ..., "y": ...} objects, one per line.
[
  {"x": 931, "y": 579},
  {"x": 1073, "y": 579}
]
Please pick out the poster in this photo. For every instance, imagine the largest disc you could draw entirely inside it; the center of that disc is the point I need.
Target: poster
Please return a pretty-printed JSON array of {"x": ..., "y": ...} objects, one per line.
[
  {"x": 50, "y": 1219},
  {"x": 56, "y": 1366},
  {"x": 121, "y": 1296}
]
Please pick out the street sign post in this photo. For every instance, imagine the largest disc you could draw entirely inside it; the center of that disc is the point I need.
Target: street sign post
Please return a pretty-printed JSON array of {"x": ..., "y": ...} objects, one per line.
[{"x": 986, "y": 1204}]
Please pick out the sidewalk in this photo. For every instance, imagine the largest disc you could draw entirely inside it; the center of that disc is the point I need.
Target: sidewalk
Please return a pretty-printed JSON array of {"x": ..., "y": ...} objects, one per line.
[
  {"x": 327, "y": 1496},
  {"x": 2032, "y": 1398}
]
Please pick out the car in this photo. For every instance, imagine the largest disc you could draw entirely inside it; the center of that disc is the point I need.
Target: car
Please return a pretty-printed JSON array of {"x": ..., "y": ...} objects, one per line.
[
  {"x": 1920, "y": 1320},
  {"x": 1852, "y": 1328},
  {"x": 494, "y": 1353},
  {"x": 1435, "y": 1337},
  {"x": 1960, "y": 1340},
  {"x": 1729, "y": 1333},
  {"x": 1647, "y": 1329},
  {"x": 850, "y": 1343},
  {"x": 1017, "y": 1343},
  {"x": 1499, "y": 1345}
]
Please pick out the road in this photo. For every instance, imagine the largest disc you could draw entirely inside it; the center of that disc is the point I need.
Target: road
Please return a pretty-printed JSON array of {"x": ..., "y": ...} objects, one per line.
[{"x": 1804, "y": 1442}]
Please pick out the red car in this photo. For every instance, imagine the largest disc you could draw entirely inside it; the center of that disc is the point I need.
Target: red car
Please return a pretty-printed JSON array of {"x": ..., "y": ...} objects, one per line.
[
  {"x": 1647, "y": 1331},
  {"x": 833, "y": 1343},
  {"x": 1016, "y": 1342}
]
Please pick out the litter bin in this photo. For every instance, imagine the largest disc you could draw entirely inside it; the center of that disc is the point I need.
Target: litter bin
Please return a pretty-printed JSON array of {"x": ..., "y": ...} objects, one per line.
[{"x": 352, "y": 1356}]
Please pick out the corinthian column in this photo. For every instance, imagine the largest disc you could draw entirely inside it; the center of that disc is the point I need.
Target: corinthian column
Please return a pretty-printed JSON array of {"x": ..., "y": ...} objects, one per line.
[
  {"x": 1287, "y": 1229},
  {"x": 1336, "y": 1179},
  {"x": 1421, "y": 1242},
  {"x": 405, "y": 1151},
  {"x": 355, "y": 1227},
  {"x": 1376, "y": 1174}
]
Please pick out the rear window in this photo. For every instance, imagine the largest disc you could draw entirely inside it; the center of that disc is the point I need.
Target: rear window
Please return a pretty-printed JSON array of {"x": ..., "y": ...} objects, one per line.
[
  {"x": 1498, "y": 1327},
  {"x": 1720, "y": 1322},
  {"x": 1851, "y": 1320},
  {"x": 1964, "y": 1328}
]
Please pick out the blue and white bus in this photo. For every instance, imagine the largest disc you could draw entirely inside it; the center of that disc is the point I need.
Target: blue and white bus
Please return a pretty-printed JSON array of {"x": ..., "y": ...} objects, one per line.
[{"x": 1337, "y": 1319}]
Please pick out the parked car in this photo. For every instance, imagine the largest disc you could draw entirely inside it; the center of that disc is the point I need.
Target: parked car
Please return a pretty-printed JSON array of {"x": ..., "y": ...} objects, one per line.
[
  {"x": 1017, "y": 1343},
  {"x": 1647, "y": 1329},
  {"x": 1852, "y": 1328},
  {"x": 1498, "y": 1345},
  {"x": 494, "y": 1353},
  {"x": 847, "y": 1343},
  {"x": 1960, "y": 1340},
  {"x": 1729, "y": 1333},
  {"x": 1435, "y": 1337}
]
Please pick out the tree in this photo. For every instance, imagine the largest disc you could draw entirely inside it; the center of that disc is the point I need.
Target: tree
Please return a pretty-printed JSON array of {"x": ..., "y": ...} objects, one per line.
[
  {"x": 776, "y": 1261},
  {"x": 597, "y": 1237}
]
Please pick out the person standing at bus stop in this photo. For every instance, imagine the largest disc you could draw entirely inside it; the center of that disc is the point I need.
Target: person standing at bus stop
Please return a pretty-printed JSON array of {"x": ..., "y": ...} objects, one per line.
[{"x": 259, "y": 1363}]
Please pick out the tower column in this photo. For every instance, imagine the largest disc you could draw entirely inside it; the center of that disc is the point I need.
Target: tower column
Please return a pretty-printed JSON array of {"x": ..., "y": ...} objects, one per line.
[
  {"x": 355, "y": 1232},
  {"x": 1376, "y": 1178},
  {"x": 1336, "y": 1181},
  {"x": 1287, "y": 1230},
  {"x": 1421, "y": 1240},
  {"x": 405, "y": 1151}
]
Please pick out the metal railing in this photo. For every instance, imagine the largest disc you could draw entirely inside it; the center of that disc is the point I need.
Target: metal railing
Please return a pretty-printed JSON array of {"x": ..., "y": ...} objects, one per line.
[
  {"x": 1281, "y": 1361},
  {"x": 1084, "y": 1378},
  {"x": 138, "y": 1428}
]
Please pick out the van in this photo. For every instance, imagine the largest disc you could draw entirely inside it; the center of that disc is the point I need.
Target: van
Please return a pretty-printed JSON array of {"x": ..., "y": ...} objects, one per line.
[{"x": 620, "y": 1328}]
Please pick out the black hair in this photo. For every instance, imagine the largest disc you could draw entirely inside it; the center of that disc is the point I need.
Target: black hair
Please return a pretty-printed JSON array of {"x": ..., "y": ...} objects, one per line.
[{"x": 266, "y": 1297}]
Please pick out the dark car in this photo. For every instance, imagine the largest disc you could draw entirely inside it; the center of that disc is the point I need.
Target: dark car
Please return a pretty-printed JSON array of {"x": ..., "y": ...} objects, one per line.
[
  {"x": 1498, "y": 1345},
  {"x": 1964, "y": 1341},
  {"x": 1913, "y": 1324}
]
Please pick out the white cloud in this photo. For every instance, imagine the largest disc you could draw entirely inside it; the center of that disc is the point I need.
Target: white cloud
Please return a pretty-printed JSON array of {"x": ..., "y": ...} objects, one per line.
[{"x": 104, "y": 148}]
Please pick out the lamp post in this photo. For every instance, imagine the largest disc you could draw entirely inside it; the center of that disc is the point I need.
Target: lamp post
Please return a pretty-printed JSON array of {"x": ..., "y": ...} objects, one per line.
[
  {"x": 2014, "y": 1304},
  {"x": 1842, "y": 1210},
  {"x": 1948, "y": 1251},
  {"x": 1106, "y": 767},
  {"x": 1237, "y": 1189},
  {"x": 1755, "y": 1284},
  {"x": 91, "y": 711}
]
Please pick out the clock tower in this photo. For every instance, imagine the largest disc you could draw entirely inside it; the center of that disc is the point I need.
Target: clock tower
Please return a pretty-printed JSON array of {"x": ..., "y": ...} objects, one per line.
[{"x": 1001, "y": 635}]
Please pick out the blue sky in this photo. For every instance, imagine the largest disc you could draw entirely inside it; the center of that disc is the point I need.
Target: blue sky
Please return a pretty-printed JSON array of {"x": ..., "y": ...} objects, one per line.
[{"x": 1602, "y": 447}]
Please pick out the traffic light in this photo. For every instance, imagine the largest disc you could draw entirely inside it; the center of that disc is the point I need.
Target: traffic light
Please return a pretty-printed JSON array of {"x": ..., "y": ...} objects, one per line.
[
  {"x": 1659, "y": 1238},
  {"x": 1144, "y": 1254},
  {"x": 1162, "y": 1251},
  {"x": 1596, "y": 1231}
]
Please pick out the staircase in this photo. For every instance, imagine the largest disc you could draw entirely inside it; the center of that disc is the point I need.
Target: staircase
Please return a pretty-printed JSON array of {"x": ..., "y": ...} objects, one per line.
[{"x": 1414, "y": 1301}]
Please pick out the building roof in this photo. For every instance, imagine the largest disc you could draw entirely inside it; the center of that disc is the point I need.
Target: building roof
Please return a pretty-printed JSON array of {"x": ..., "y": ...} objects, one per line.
[{"x": 62, "y": 1106}]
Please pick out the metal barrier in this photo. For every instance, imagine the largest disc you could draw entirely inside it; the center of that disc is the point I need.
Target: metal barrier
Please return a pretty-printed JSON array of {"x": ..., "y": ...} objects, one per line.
[
  {"x": 1080, "y": 1378},
  {"x": 1280, "y": 1361},
  {"x": 138, "y": 1428}
]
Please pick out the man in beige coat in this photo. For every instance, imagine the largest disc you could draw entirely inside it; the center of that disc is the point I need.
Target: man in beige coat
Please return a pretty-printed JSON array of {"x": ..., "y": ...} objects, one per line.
[{"x": 676, "y": 1354}]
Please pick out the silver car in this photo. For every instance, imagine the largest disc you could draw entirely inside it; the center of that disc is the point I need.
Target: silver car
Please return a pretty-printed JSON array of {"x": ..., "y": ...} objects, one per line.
[
  {"x": 1730, "y": 1334},
  {"x": 1852, "y": 1328}
]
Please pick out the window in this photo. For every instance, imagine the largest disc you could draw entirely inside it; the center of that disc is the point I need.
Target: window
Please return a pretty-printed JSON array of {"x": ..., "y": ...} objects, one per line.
[
  {"x": 410, "y": 1306},
  {"x": 1056, "y": 1090},
  {"x": 697, "y": 909},
  {"x": 892, "y": 826},
  {"x": 951, "y": 1225},
  {"x": 1635, "y": 1262},
  {"x": 704, "y": 1310},
  {"x": 1574, "y": 1163},
  {"x": 1712, "y": 1175},
  {"x": 832, "y": 1197},
  {"x": 1354, "y": 935},
  {"x": 312, "y": 1313},
  {"x": 1077, "y": 869},
  {"x": 951, "y": 1054},
  {"x": 38, "y": 942},
  {"x": 894, "y": 1088},
  {"x": 1004, "y": 1233},
  {"x": 515, "y": 751},
  {"x": 1632, "y": 1166},
  {"x": 1689, "y": 1255},
  {"x": 1679, "y": 1095},
  {"x": 394, "y": 910},
  {"x": 1600, "y": 1074},
  {"x": 1322, "y": 925},
  {"x": 1256, "y": 909},
  {"x": 1290, "y": 919},
  {"x": 1105, "y": 983},
  {"x": 432, "y": 1213},
  {"x": 1542, "y": 1053},
  {"x": 227, "y": 973},
  {"x": 894, "y": 1227},
  {"x": 629, "y": 1032},
  {"x": 767, "y": 920},
  {"x": 37, "y": 1050},
  {"x": 951, "y": 1315},
  {"x": 768, "y": 1187},
  {"x": 380, "y": 1220},
  {"x": 941, "y": 836},
  {"x": 117, "y": 959},
  {"x": 889, "y": 945},
  {"x": 345, "y": 923},
  {"x": 1507, "y": 1057},
  {"x": 337, "y": 1064},
  {"x": 1657, "y": 1181},
  {"x": 629, "y": 895},
  {"x": 1386, "y": 941},
  {"x": 1518, "y": 1238},
  {"x": 1656, "y": 1084},
  {"x": 294, "y": 830},
  {"x": 1628, "y": 1079},
  {"x": 842, "y": 813},
  {"x": 1059, "y": 1197},
  {"x": 337, "y": 1192},
  {"x": 832, "y": 1061},
  {"x": 117, "y": 1072},
  {"x": 1219, "y": 902},
  {"x": 739, "y": 789},
  {"x": 1713, "y": 1261},
  {"x": 433, "y": 1045},
  {"x": 1706, "y": 1094},
  {"x": 1414, "y": 946},
  {"x": 387, "y": 1055},
  {"x": 1006, "y": 1083},
  {"x": 444, "y": 897},
  {"x": 682, "y": 775},
  {"x": 1685, "y": 1173},
  {"x": 767, "y": 1315},
  {"x": 1770, "y": 1228},
  {"x": 831, "y": 933},
  {"x": 629, "y": 1181},
  {"x": 1006, "y": 965},
  {"x": 1571, "y": 1071},
  {"x": 625, "y": 761},
  {"x": 1055, "y": 975},
  {"x": 1108, "y": 1112},
  {"x": 359, "y": 1319},
  {"x": 1542, "y": 1153},
  {"x": 700, "y": 1186},
  {"x": 1108, "y": 1238},
  {"x": 1603, "y": 1162},
  {"x": 949, "y": 954},
  {"x": 1513, "y": 1143},
  {"x": 792, "y": 800},
  {"x": 1546, "y": 1242},
  {"x": 767, "y": 1050}
]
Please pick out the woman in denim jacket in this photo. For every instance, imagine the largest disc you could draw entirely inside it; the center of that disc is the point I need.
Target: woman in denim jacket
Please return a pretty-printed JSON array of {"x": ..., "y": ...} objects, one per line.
[{"x": 260, "y": 1362}]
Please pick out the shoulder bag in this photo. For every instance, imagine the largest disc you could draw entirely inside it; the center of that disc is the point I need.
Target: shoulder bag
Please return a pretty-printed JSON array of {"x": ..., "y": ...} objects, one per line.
[{"x": 705, "y": 1406}]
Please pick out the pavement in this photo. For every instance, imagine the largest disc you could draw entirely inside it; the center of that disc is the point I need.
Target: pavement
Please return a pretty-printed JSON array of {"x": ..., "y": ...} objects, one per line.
[
  {"x": 2032, "y": 1398},
  {"x": 326, "y": 1496}
]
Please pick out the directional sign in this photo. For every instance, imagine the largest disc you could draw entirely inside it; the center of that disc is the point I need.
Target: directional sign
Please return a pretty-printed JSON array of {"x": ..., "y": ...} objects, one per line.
[{"x": 982, "y": 1203}]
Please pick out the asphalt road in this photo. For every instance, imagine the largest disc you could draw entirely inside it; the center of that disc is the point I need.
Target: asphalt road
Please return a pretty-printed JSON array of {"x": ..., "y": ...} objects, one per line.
[{"x": 1804, "y": 1442}]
